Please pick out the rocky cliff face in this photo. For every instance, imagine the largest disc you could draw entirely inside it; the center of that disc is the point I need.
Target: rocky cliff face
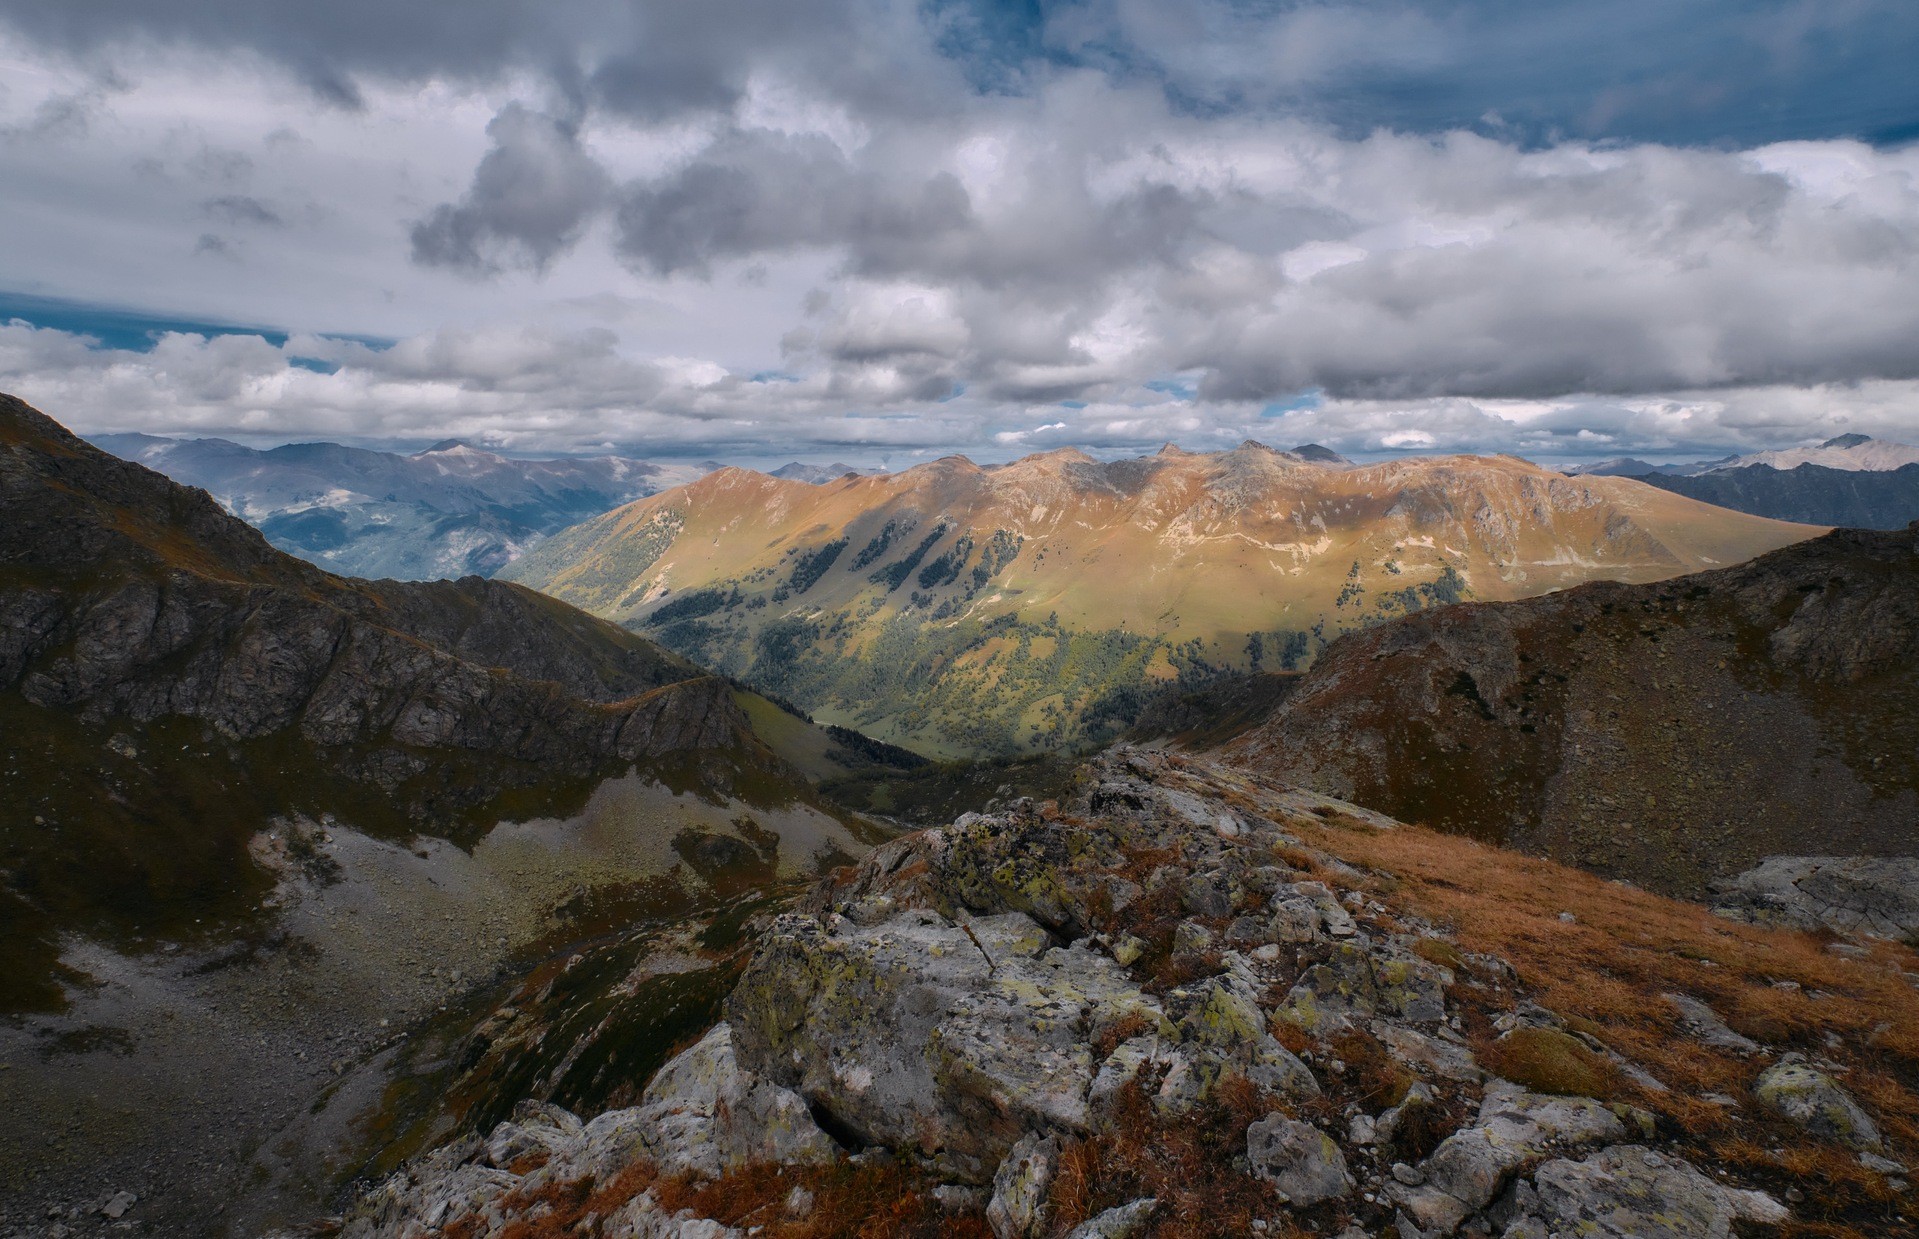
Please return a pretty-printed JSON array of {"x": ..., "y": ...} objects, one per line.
[
  {"x": 169, "y": 683},
  {"x": 130, "y": 598},
  {"x": 1672, "y": 734},
  {"x": 1192, "y": 1002}
]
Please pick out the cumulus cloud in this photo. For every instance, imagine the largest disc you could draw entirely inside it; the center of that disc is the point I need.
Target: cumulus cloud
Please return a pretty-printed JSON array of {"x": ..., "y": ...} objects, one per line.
[
  {"x": 954, "y": 222},
  {"x": 531, "y": 198}
]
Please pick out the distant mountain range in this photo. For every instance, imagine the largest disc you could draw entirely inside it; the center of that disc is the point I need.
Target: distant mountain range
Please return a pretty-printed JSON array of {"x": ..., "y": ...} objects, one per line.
[
  {"x": 819, "y": 475},
  {"x": 1853, "y": 481},
  {"x": 963, "y": 610},
  {"x": 453, "y": 510}
]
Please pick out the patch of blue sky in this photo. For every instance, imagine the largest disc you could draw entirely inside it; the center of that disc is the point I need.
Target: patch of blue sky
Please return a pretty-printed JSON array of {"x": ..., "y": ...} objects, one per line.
[
  {"x": 1700, "y": 73},
  {"x": 137, "y": 331},
  {"x": 1310, "y": 399}
]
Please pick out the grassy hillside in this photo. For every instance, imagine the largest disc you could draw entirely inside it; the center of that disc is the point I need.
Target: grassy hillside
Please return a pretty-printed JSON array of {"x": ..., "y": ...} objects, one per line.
[{"x": 967, "y": 611}]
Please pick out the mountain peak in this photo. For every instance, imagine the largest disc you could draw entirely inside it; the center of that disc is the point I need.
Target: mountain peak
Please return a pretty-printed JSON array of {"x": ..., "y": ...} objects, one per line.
[
  {"x": 1320, "y": 454},
  {"x": 1846, "y": 441}
]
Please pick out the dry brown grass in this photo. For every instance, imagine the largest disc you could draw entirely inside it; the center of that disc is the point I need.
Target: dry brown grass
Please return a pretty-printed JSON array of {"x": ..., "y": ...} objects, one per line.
[
  {"x": 1604, "y": 971},
  {"x": 874, "y": 1201},
  {"x": 1186, "y": 1163},
  {"x": 1548, "y": 1061}
]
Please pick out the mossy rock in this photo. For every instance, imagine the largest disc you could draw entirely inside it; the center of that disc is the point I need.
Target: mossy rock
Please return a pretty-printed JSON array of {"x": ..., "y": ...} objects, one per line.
[{"x": 1548, "y": 1061}]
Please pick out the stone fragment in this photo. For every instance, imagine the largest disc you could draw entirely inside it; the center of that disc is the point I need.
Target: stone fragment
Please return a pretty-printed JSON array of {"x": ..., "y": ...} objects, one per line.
[
  {"x": 1471, "y": 1166},
  {"x": 1191, "y": 938},
  {"x": 1299, "y": 1160},
  {"x": 1793, "y": 1088},
  {"x": 1704, "y": 1023},
  {"x": 1018, "y": 1207},
  {"x": 1124, "y": 1222},
  {"x": 1632, "y": 1192}
]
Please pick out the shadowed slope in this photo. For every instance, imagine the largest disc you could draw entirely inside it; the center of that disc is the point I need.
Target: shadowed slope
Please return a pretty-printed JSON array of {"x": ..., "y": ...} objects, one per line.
[{"x": 1668, "y": 733}]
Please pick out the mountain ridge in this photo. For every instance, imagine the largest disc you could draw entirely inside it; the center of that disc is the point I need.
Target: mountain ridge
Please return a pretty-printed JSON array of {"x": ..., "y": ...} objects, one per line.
[
  {"x": 1042, "y": 598},
  {"x": 450, "y": 510}
]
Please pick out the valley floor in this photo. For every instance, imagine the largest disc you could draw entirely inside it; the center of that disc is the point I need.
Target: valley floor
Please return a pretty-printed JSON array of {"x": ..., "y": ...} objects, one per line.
[{"x": 234, "y": 1084}]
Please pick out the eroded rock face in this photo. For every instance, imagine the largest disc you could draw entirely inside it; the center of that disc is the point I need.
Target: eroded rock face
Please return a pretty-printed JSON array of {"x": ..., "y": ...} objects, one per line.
[{"x": 950, "y": 1039}]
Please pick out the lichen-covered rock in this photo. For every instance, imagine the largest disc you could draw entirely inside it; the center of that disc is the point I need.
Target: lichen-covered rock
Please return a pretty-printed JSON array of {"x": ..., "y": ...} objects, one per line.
[
  {"x": 951, "y": 1041},
  {"x": 1471, "y": 1166},
  {"x": 1223, "y": 1029},
  {"x": 1018, "y": 1207},
  {"x": 1299, "y": 1160},
  {"x": 1631, "y": 1192},
  {"x": 703, "y": 1115},
  {"x": 1360, "y": 980},
  {"x": 1127, "y": 1221},
  {"x": 1810, "y": 1098}
]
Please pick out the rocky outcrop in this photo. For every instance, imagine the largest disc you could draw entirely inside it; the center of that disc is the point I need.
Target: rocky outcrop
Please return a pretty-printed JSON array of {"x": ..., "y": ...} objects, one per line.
[
  {"x": 950, "y": 1039},
  {"x": 1671, "y": 734},
  {"x": 1870, "y": 895},
  {"x": 1069, "y": 1021},
  {"x": 701, "y": 1117}
]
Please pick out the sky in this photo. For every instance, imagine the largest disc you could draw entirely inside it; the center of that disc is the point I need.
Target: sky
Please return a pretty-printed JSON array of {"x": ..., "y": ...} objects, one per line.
[{"x": 879, "y": 231}]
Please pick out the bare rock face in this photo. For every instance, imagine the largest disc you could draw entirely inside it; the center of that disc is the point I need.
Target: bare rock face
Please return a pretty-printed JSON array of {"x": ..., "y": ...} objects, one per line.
[{"x": 1876, "y": 896}]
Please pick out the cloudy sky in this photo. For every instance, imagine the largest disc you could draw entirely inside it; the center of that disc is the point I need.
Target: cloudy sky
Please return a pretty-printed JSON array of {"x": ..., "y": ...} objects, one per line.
[{"x": 881, "y": 229}]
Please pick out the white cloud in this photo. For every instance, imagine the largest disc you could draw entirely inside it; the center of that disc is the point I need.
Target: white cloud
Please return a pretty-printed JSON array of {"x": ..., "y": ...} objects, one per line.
[{"x": 827, "y": 253}]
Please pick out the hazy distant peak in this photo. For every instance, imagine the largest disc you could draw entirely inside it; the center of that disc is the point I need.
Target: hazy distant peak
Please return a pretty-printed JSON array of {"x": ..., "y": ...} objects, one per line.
[
  {"x": 1854, "y": 452},
  {"x": 799, "y": 471},
  {"x": 1319, "y": 454}
]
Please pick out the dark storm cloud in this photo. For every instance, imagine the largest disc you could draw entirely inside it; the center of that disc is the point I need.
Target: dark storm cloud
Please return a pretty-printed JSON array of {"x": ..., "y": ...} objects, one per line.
[{"x": 531, "y": 197}]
